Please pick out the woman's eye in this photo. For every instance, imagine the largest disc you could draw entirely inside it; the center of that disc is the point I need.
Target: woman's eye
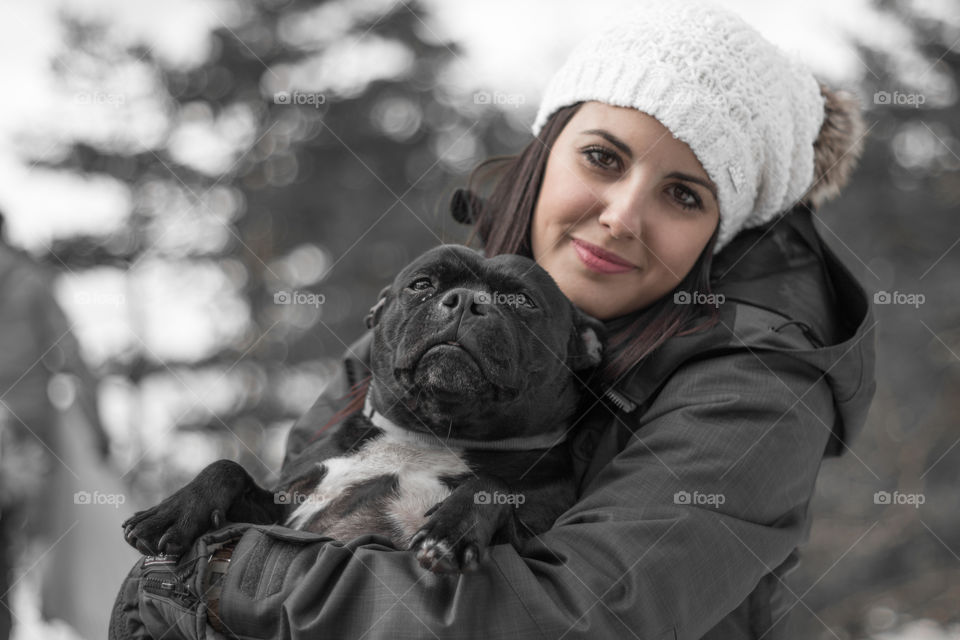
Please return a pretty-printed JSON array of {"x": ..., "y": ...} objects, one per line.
[
  {"x": 420, "y": 284},
  {"x": 592, "y": 154},
  {"x": 686, "y": 197}
]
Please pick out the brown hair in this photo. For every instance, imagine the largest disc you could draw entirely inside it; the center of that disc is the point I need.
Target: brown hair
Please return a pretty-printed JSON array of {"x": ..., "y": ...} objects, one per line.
[{"x": 503, "y": 222}]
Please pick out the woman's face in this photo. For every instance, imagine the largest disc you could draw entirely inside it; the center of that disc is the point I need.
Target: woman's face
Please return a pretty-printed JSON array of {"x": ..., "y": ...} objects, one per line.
[{"x": 617, "y": 182}]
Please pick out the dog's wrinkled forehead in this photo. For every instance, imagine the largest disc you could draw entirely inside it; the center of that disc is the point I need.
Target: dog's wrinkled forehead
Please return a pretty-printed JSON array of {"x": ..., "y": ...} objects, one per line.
[
  {"x": 443, "y": 258},
  {"x": 453, "y": 262}
]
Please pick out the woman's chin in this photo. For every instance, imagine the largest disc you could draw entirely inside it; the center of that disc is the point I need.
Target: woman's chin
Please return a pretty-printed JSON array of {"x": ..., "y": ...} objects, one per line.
[
  {"x": 598, "y": 294},
  {"x": 590, "y": 299}
]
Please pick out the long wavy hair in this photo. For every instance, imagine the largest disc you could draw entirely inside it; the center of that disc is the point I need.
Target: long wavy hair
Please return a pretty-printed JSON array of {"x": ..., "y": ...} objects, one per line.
[{"x": 503, "y": 221}]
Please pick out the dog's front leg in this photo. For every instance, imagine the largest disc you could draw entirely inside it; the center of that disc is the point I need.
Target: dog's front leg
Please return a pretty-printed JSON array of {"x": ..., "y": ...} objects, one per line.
[
  {"x": 461, "y": 527},
  {"x": 222, "y": 492}
]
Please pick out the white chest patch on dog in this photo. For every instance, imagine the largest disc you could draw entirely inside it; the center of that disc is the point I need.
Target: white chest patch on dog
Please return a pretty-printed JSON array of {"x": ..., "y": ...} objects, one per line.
[{"x": 418, "y": 487}]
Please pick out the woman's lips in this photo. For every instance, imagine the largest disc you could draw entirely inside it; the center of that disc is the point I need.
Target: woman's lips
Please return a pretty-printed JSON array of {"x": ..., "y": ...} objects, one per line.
[{"x": 599, "y": 260}]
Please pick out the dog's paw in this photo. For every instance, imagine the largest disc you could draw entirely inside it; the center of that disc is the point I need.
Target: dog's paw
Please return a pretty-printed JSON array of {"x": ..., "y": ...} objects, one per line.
[
  {"x": 448, "y": 544},
  {"x": 168, "y": 528}
]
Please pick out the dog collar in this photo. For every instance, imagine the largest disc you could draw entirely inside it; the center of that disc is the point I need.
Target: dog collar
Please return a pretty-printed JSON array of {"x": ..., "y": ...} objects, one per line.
[{"x": 525, "y": 443}]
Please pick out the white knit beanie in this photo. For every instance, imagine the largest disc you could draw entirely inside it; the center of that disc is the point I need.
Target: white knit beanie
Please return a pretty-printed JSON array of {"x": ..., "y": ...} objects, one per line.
[{"x": 748, "y": 112}]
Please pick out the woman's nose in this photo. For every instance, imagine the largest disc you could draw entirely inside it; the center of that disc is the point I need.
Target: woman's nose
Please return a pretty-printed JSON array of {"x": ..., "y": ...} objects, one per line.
[{"x": 622, "y": 211}]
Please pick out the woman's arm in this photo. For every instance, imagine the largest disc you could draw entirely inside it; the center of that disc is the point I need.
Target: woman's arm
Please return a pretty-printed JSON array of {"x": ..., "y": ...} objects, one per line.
[{"x": 741, "y": 434}]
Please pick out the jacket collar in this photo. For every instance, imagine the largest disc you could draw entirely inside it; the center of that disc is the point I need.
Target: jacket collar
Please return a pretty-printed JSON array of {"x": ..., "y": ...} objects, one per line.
[{"x": 773, "y": 275}]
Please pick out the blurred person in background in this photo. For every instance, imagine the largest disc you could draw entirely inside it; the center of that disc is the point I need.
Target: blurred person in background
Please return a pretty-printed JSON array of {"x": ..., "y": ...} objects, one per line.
[{"x": 41, "y": 374}]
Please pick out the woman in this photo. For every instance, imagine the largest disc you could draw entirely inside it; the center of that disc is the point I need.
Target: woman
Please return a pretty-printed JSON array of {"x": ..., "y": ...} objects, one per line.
[{"x": 669, "y": 192}]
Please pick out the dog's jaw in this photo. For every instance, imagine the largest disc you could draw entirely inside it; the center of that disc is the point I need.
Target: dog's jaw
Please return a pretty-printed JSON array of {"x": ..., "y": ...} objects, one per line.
[{"x": 447, "y": 372}]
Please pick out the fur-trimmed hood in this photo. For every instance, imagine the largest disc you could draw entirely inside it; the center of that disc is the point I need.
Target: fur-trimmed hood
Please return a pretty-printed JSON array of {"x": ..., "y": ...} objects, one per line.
[{"x": 838, "y": 146}]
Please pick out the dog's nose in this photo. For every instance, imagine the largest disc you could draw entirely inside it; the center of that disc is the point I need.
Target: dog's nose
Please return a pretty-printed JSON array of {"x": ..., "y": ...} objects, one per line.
[{"x": 461, "y": 301}]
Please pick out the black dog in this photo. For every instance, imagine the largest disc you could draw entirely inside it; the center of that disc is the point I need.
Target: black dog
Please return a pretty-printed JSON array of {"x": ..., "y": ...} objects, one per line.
[{"x": 461, "y": 441}]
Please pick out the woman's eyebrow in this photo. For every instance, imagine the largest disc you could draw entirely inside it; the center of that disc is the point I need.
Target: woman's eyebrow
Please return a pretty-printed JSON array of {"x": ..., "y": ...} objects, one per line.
[
  {"x": 686, "y": 176},
  {"x": 612, "y": 139}
]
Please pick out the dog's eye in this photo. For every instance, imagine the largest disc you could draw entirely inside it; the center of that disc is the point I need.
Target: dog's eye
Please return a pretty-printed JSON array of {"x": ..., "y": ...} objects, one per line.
[
  {"x": 420, "y": 284},
  {"x": 527, "y": 301}
]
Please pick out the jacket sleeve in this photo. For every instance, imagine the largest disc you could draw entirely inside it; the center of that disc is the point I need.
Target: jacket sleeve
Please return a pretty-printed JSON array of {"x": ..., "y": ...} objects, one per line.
[{"x": 707, "y": 496}]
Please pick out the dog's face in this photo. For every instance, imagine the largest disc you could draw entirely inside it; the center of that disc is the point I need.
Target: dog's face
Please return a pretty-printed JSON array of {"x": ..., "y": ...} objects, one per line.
[{"x": 476, "y": 347}]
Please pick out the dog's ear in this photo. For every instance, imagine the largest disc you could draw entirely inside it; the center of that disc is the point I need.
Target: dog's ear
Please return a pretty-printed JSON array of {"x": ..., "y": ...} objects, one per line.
[
  {"x": 586, "y": 342},
  {"x": 373, "y": 316},
  {"x": 465, "y": 205}
]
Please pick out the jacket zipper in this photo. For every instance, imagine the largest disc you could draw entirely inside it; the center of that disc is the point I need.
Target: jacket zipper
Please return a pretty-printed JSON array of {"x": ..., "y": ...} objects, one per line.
[
  {"x": 170, "y": 589},
  {"x": 622, "y": 402}
]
